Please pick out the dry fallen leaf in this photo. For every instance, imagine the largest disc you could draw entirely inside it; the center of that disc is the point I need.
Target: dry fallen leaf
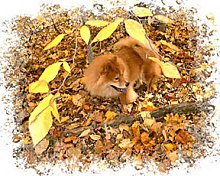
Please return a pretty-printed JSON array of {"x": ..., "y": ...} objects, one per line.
[
  {"x": 125, "y": 143},
  {"x": 169, "y": 146},
  {"x": 173, "y": 156},
  {"x": 97, "y": 23},
  {"x": 41, "y": 146},
  {"x": 110, "y": 115},
  {"x": 95, "y": 137},
  {"x": 85, "y": 133},
  {"x": 124, "y": 127},
  {"x": 170, "y": 45},
  {"x": 149, "y": 122},
  {"x": 138, "y": 161}
]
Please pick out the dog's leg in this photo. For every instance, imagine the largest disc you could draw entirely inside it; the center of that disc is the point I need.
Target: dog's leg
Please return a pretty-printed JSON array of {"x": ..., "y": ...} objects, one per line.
[{"x": 151, "y": 82}]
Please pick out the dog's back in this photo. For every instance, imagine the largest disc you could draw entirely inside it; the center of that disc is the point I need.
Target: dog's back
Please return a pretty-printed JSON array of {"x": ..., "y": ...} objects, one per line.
[{"x": 150, "y": 70}]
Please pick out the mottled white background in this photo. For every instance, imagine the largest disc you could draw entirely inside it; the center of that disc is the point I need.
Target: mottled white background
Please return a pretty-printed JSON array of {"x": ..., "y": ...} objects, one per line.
[{"x": 11, "y": 8}]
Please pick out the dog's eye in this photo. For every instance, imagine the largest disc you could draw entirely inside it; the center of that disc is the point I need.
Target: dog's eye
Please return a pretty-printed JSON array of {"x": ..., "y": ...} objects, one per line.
[
  {"x": 137, "y": 45},
  {"x": 116, "y": 78}
]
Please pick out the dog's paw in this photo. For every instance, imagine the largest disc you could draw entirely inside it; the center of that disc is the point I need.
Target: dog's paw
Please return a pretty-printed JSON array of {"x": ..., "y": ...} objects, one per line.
[{"x": 131, "y": 97}]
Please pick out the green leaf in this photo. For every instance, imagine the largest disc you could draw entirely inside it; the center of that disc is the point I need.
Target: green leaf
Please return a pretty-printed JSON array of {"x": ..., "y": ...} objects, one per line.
[
  {"x": 107, "y": 31},
  {"x": 50, "y": 72},
  {"x": 55, "y": 42},
  {"x": 85, "y": 34}
]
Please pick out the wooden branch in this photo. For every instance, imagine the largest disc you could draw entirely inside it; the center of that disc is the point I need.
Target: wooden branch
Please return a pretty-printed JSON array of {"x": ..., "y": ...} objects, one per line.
[{"x": 159, "y": 114}]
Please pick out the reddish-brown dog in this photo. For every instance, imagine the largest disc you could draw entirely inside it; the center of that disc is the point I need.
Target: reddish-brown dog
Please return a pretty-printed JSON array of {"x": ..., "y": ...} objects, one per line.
[{"x": 115, "y": 74}]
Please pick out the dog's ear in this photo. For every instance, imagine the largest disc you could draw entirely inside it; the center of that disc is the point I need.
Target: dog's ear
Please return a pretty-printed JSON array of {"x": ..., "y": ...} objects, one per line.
[{"x": 109, "y": 65}]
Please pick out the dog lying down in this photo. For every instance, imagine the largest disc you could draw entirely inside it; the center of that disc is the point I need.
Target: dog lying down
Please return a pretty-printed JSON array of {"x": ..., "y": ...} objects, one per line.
[{"x": 115, "y": 74}]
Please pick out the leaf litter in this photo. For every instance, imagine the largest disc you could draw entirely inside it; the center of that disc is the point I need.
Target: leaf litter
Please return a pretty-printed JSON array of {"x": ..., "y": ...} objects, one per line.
[{"x": 86, "y": 129}]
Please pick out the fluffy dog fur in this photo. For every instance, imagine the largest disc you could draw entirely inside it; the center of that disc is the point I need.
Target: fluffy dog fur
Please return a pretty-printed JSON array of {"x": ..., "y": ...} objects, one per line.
[{"x": 115, "y": 74}]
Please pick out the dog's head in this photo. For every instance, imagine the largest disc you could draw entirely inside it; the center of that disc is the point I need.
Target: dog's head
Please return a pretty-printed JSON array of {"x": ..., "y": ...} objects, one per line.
[{"x": 113, "y": 76}]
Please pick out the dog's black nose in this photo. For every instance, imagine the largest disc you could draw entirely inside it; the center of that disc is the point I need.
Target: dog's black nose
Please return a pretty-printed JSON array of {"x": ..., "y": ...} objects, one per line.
[{"x": 127, "y": 84}]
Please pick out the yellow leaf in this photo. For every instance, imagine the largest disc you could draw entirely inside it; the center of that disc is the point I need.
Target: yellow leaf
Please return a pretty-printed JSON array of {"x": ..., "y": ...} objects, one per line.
[
  {"x": 64, "y": 119},
  {"x": 142, "y": 12},
  {"x": 97, "y": 23},
  {"x": 39, "y": 86},
  {"x": 144, "y": 114},
  {"x": 55, "y": 42},
  {"x": 40, "y": 120},
  {"x": 110, "y": 115},
  {"x": 54, "y": 111},
  {"x": 107, "y": 31},
  {"x": 63, "y": 60},
  {"x": 169, "y": 146},
  {"x": 95, "y": 137},
  {"x": 125, "y": 143},
  {"x": 170, "y": 70},
  {"x": 50, "y": 72},
  {"x": 85, "y": 34},
  {"x": 136, "y": 31},
  {"x": 69, "y": 31},
  {"x": 155, "y": 60},
  {"x": 148, "y": 122},
  {"x": 163, "y": 19},
  {"x": 170, "y": 45},
  {"x": 77, "y": 100},
  {"x": 124, "y": 127},
  {"x": 85, "y": 133},
  {"x": 66, "y": 67}
]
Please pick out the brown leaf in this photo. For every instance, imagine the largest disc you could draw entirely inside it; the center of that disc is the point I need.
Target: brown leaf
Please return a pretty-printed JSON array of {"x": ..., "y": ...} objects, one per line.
[
  {"x": 85, "y": 133},
  {"x": 173, "y": 156},
  {"x": 98, "y": 147},
  {"x": 183, "y": 137},
  {"x": 110, "y": 115},
  {"x": 70, "y": 139},
  {"x": 41, "y": 146},
  {"x": 95, "y": 137},
  {"x": 145, "y": 139},
  {"x": 125, "y": 143},
  {"x": 138, "y": 161},
  {"x": 136, "y": 129}
]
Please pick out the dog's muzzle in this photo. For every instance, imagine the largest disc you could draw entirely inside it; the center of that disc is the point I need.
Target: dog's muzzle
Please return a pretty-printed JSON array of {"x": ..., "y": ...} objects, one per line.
[{"x": 122, "y": 90}]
